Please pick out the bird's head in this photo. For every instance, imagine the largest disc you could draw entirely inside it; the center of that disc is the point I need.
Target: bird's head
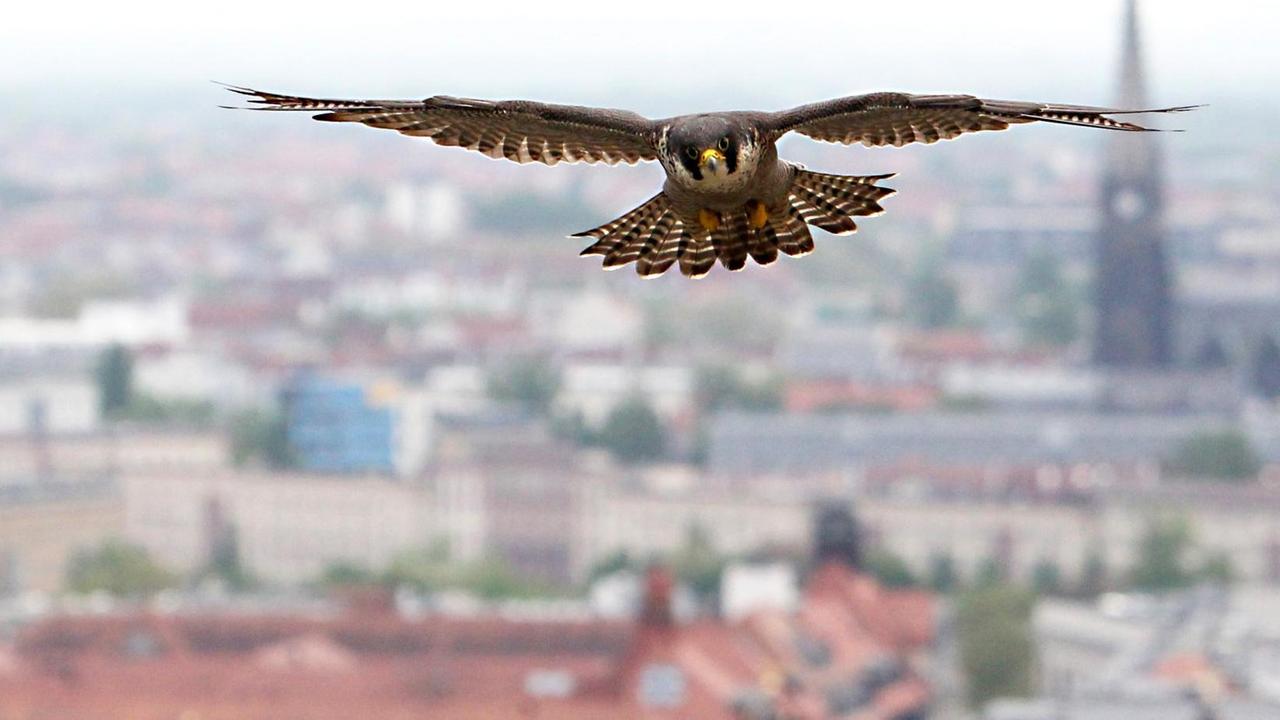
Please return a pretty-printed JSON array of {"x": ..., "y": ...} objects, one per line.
[{"x": 709, "y": 148}]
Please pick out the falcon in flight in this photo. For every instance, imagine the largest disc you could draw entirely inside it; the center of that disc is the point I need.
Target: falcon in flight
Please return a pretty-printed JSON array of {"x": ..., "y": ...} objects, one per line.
[{"x": 727, "y": 194}]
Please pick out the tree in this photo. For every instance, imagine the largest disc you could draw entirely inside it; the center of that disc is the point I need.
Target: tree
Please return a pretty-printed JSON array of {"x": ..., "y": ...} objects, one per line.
[
  {"x": 115, "y": 380},
  {"x": 616, "y": 562},
  {"x": 1093, "y": 575},
  {"x": 573, "y": 428},
  {"x": 430, "y": 570},
  {"x": 118, "y": 568},
  {"x": 1046, "y": 307},
  {"x": 698, "y": 564},
  {"x": 934, "y": 301},
  {"x": 997, "y": 645},
  {"x": 990, "y": 572},
  {"x": 633, "y": 432},
  {"x": 145, "y": 409},
  {"x": 263, "y": 436},
  {"x": 346, "y": 574},
  {"x": 723, "y": 388},
  {"x": 531, "y": 383},
  {"x": 1161, "y": 562},
  {"x": 1226, "y": 455},
  {"x": 422, "y": 569},
  {"x": 942, "y": 573},
  {"x": 494, "y": 579},
  {"x": 225, "y": 564},
  {"x": 890, "y": 570},
  {"x": 1046, "y": 577},
  {"x": 1218, "y": 569}
]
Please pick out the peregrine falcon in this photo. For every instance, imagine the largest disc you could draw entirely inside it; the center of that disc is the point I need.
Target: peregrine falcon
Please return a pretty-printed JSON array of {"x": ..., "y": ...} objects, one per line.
[{"x": 727, "y": 194}]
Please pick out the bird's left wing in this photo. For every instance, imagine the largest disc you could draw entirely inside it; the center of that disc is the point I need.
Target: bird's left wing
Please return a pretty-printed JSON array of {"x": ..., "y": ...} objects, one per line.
[
  {"x": 899, "y": 118},
  {"x": 517, "y": 130}
]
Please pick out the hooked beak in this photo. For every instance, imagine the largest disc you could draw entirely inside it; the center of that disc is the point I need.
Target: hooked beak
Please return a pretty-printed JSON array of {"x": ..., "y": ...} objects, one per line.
[{"x": 711, "y": 159}]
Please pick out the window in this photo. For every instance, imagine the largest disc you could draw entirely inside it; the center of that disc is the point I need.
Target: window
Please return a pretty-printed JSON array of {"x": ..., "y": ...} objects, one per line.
[
  {"x": 549, "y": 684},
  {"x": 662, "y": 686}
]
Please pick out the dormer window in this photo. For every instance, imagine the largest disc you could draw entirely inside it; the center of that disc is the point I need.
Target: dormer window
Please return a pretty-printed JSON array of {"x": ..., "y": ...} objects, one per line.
[{"x": 662, "y": 686}]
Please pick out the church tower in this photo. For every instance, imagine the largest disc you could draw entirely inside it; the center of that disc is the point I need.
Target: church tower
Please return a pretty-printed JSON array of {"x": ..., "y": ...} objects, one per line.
[{"x": 1133, "y": 327}]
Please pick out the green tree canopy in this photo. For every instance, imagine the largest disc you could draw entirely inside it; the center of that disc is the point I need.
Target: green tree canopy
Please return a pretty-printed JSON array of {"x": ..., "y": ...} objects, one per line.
[
  {"x": 530, "y": 382},
  {"x": 1046, "y": 306},
  {"x": 262, "y": 436},
  {"x": 225, "y": 563},
  {"x": 1226, "y": 455},
  {"x": 1218, "y": 569},
  {"x": 145, "y": 409},
  {"x": 1046, "y": 577},
  {"x": 1161, "y": 564},
  {"x": 720, "y": 387},
  {"x": 989, "y": 573},
  {"x": 698, "y": 564},
  {"x": 942, "y": 572},
  {"x": 933, "y": 300},
  {"x": 1093, "y": 575},
  {"x": 347, "y": 574},
  {"x": 633, "y": 433},
  {"x": 430, "y": 569},
  {"x": 118, "y": 568},
  {"x": 997, "y": 644},
  {"x": 115, "y": 380},
  {"x": 615, "y": 562},
  {"x": 890, "y": 569}
]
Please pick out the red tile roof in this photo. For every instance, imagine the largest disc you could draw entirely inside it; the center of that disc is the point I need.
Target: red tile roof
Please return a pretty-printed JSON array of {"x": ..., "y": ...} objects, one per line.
[{"x": 384, "y": 666}]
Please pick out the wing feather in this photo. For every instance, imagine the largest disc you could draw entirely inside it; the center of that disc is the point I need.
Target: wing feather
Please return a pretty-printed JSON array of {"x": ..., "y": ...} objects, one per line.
[
  {"x": 899, "y": 119},
  {"x": 517, "y": 130}
]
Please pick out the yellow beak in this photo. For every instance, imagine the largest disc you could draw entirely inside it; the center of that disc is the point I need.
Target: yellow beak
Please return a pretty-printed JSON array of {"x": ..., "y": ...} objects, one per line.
[{"x": 711, "y": 157}]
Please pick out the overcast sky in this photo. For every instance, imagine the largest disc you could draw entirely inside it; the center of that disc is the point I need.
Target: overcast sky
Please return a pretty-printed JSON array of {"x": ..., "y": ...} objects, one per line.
[{"x": 663, "y": 55}]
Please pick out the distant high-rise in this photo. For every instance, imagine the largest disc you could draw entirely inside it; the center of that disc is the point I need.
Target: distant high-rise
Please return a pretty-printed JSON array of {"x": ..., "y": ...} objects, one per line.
[{"x": 1134, "y": 308}]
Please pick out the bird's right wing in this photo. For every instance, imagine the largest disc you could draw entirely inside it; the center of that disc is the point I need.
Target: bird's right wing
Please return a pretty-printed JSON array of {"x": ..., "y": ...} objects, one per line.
[
  {"x": 899, "y": 118},
  {"x": 517, "y": 130}
]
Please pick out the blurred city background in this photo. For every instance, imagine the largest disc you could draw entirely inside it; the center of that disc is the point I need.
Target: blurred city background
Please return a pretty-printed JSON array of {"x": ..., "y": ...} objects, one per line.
[{"x": 304, "y": 421}]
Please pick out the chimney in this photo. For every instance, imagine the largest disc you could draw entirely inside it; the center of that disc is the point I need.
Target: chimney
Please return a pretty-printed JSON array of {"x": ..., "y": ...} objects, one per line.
[
  {"x": 659, "y": 587},
  {"x": 836, "y": 537}
]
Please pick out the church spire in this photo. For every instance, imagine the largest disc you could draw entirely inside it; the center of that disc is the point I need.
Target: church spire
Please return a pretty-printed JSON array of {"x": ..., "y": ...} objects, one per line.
[
  {"x": 1133, "y": 90},
  {"x": 1133, "y": 285}
]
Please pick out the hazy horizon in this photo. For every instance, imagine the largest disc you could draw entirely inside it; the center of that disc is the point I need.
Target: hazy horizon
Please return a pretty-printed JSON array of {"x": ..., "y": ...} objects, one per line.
[{"x": 666, "y": 59}]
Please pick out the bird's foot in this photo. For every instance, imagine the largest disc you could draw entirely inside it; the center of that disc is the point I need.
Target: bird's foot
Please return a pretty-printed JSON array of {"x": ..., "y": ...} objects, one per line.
[
  {"x": 757, "y": 214},
  {"x": 709, "y": 219}
]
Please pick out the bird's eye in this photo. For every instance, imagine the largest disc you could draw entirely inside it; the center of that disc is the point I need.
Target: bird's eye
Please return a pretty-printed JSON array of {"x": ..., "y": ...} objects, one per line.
[
  {"x": 692, "y": 152},
  {"x": 723, "y": 144}
]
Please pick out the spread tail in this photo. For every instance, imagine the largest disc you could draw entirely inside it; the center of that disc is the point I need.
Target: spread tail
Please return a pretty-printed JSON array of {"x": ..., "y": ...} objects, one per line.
[{"x": 655, "y": 238}]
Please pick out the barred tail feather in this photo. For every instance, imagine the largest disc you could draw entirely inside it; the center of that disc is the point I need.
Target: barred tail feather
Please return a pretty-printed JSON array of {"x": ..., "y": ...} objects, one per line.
[
  {"x": 731, "y": 241},
  {"x": 654, "y": 237},
  {"x": 697, "y": 256},
  {"x": 764, "y": 245},
  {"x": 665, "y": 252},
  {"x": 793, "y": 232}
]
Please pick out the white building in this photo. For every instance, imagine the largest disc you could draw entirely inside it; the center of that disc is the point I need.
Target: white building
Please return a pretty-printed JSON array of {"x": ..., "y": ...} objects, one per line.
[
  {"x": 289, "y": 528},
  {"x": 52, "y": 404},
  {"x": 594, "y": 390},
  {"x": 194, "y": 376}
]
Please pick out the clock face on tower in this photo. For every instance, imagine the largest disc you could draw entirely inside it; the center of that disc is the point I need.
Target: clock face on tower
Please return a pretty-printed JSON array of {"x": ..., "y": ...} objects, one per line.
[{"x": 1129, "y": 205}]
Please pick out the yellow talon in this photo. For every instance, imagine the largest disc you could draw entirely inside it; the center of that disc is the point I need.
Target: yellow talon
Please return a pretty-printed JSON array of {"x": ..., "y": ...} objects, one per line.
[
  {"x": 710, "y": 220},
  {"x": 757, "y": 214}
]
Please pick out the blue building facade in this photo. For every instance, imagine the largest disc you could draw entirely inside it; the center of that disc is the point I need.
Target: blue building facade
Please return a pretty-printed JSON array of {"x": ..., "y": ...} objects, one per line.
[{"x": 334, "y": 428}]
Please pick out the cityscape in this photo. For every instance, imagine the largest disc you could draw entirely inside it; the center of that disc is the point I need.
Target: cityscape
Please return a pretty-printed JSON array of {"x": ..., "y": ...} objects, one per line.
[{"x": 298, "y": 423}]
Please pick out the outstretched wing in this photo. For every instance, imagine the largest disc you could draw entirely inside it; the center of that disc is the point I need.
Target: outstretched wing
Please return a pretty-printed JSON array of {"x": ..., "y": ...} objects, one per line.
[
  {"x": 513, "y": 129},
  {"x": 899, "y": 119}
]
